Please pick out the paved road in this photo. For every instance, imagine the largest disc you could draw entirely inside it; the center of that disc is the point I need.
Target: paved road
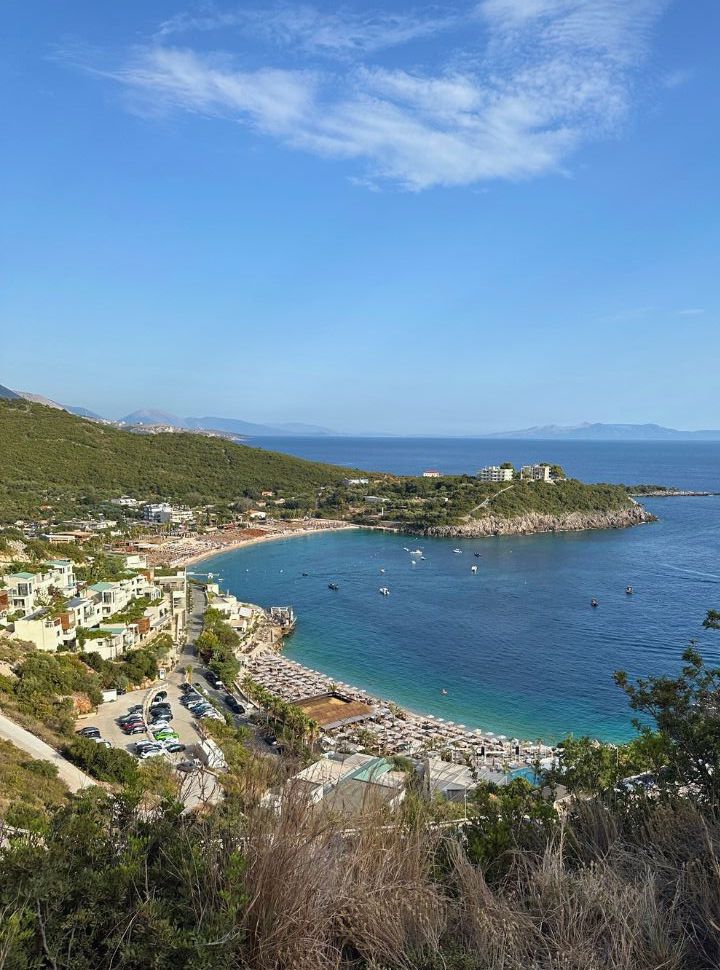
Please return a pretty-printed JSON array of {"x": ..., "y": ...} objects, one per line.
[
  {"x": 188, "y": 658},
  {"x": 67, "y": 772}
]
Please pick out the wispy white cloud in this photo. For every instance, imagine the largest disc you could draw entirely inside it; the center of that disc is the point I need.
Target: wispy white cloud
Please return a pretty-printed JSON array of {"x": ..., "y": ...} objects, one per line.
[
  {"x": 306, "y": 28},
  {"x": 691, "y": 312},
  {"x": 530, "y": 81}
]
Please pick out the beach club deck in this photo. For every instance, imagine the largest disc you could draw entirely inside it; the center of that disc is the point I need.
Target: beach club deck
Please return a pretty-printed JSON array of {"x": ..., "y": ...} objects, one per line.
[{"x": 332, "y": 710}]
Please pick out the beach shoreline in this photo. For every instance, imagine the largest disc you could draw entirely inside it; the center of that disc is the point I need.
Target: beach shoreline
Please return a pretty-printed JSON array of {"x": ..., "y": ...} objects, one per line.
[
  {"x": 396, "y": 729},
  {"x": 241, "y": 543}
]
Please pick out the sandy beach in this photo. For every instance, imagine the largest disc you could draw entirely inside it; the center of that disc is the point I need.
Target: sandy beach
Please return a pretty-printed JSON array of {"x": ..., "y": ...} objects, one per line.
[
  {"x": 188, "y": 552},
  {"x": 393, "y": 729}
]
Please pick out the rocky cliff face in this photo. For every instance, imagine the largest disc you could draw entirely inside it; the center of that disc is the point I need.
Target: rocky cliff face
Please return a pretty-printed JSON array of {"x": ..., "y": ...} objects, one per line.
[{"x": 493, "y": 525}]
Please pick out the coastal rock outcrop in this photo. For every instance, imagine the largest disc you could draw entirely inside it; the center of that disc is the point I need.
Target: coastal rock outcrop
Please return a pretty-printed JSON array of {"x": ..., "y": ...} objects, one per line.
[{"x": 533, "y": 522}]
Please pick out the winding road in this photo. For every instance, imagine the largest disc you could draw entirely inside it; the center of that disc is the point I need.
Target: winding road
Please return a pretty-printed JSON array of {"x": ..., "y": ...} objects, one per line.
[{"x": 27, "y": 742}]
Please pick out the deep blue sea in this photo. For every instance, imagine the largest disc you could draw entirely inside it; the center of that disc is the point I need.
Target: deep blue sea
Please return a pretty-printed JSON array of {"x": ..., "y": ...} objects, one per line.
[
  {"x": 517, "y": 646},
  {"x": 683, "y": 464}
]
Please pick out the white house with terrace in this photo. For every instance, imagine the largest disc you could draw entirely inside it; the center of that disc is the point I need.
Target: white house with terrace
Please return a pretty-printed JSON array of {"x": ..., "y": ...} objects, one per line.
[{"x": 86, "y": 621}]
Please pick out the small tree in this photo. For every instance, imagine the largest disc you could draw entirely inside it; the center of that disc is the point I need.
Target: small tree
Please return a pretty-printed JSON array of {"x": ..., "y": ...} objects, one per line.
[{"x": 686, "y": 710}]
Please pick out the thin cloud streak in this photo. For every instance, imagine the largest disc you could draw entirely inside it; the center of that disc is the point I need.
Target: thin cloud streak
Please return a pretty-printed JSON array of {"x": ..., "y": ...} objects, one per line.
[
  {"x": 305, "y": 27},
  {"x": 551, "y": 75}
]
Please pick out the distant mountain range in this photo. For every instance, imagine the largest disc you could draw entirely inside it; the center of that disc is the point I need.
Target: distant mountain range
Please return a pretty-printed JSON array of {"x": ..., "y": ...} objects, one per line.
[
  {"x": 608, "y": 432},
  {"x": 236, "y": 428},
  {"x": 147, "y": 417},
  {"x": 231, "y": 425}
]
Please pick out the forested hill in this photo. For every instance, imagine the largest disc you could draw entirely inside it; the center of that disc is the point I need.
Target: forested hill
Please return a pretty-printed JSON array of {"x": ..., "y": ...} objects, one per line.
[
  {"x": 53, "y": 461},
  {"x": 48, "y": 456}
]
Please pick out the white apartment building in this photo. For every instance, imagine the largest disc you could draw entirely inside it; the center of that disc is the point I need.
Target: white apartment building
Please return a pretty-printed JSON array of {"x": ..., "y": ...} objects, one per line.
[
  {"x": 115, "y": 596},
  {"x": 125, "y": 502},
  {"x": 42, "y": 629},
  {"x": 494, "y": 473},
  {"x": 535, "y": 473},
  {"x": 27, "y": 591},
  {"x": 163, "y": 512}
]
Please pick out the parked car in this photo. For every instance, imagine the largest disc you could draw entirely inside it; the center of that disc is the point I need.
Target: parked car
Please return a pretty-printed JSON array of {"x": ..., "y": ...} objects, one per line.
[
  {"x": 127, "y": 718},
  {"x": 160, "y": 696},
  {"x": 89, "y": 732},
  {"x": 135, "y": 708},
  {"x": 195, "y": 705},
  {"x": 135, "y": 729},
  {"x": 160, "y": 706},
  {"x": 163, "y": 716},
  {"x": 212, "y": 714},
  {"x": 184, "y": 688},
  {"x": 151, "y": 753},
  {"x": 166, "y": 734},
  {"x": 189, "y": 766},
  {"x": 141, "y": 745},
  {"x": 234, "y": 704},
  {"x": 102, "y": 741},
  {"x": 213, "y": 680},
  {"x": 202, "y": 709},
  {"x": 174, "y": 746}
]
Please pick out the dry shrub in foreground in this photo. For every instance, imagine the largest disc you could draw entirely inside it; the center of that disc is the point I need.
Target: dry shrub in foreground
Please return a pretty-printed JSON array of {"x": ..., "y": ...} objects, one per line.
[
  {"x": 319, "y": 895},
  {"x": 611, "y": 891}
]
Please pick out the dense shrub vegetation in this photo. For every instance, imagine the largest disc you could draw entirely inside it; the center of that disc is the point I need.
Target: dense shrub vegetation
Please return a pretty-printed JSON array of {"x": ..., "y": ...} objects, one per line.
[
  {"x": 105, "y": 764},
  {"x": 51, "y": 457},
  {"x": 216, "y": 645},
  {"x": 28, "y": 789},
  {"x": 425, "y": 502}
]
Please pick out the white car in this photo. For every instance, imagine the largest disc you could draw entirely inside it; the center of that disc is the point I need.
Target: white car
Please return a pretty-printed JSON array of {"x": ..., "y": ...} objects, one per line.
[
  {"x": 151, "y": 753},
  {"x": 102, "y": 741}
]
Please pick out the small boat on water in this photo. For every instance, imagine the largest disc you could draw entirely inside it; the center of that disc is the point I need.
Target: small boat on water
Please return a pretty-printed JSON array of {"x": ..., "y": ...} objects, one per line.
[
  {"x": 473, "y": 569},
  {"x": 306, "y": 574},
  {"x": 628, "y": 590},
  {"x": 384, "y": 591},
  {"x": 413, "y": 563},
  {"x": 416, "y": 552},
  {"x": 443, "y": 692},
  {"x": 382, "y": 570},
  {"x": 477, "y": 555},
  {"x": 458, "y": 552},
  {"x": 333, "y": 586},
  {"x": 594, "y": 603},
  {"x": 423, "y": 557}
]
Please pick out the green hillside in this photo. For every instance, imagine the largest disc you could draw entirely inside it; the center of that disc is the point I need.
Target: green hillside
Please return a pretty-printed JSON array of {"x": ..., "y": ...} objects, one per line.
[{"x": 51, "y": 457}]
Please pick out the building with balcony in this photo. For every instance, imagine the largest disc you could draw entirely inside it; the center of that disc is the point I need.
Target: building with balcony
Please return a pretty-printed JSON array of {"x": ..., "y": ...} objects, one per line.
[
  {"x": 535, "y": 473},
  {"x": 496, "y": 473}
]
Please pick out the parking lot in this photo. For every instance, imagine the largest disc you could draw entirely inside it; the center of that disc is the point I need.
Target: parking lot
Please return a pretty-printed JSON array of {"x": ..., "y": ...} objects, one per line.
[{"x": 183, "y": 722}]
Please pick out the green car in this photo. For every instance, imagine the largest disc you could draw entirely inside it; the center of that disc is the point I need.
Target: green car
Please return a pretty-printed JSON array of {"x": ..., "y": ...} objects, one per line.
[{"x": 166, "y": 734}]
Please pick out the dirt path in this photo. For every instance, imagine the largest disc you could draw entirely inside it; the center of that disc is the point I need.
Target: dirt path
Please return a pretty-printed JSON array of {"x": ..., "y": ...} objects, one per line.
[
  {"x": 67, "y": 772},
  {"x": 486, "y": 501}
]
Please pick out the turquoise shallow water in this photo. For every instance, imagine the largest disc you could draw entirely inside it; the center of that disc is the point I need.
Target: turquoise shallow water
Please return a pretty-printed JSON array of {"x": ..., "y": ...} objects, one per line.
[{"x": 517, "y": 646}]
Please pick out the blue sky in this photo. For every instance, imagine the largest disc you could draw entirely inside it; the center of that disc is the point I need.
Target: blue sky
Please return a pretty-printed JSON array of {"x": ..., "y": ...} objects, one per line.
[{"x": 455, "y": 218}]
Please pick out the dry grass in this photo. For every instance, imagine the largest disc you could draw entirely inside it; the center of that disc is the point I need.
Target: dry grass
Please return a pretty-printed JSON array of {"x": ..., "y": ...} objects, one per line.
[{"x": 607, "y": 893}]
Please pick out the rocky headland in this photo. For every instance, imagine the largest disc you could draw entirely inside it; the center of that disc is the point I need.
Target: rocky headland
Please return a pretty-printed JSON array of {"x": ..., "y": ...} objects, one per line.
[{"x": 534, "y": 522}]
